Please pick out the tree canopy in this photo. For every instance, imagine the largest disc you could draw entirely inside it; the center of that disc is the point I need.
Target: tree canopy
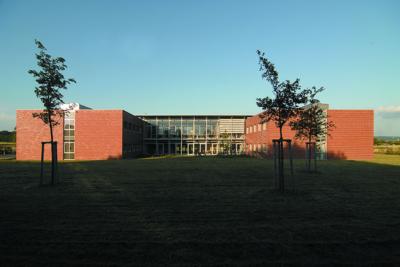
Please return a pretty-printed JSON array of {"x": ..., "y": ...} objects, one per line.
[
  {"x": 6, "y": 136},
  {"x": 288, "y": 96},
  {"x": 50, "y": 80},
  {"x": 312, "y": 121}
]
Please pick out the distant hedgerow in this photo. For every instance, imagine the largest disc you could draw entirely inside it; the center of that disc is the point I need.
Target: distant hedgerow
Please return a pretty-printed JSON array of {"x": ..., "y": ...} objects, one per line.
[{"x": 392, "y": 151}]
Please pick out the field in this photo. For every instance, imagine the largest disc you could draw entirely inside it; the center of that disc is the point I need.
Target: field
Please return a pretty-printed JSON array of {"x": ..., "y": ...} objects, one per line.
[{"x": 200, "y": 211}]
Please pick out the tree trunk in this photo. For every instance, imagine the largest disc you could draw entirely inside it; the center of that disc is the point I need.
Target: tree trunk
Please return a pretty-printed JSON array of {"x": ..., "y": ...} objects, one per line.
[
  {"x": 52, "y": 153},
  {"x": 309, "y": 155},
  {"x": 281, "y": 177}
]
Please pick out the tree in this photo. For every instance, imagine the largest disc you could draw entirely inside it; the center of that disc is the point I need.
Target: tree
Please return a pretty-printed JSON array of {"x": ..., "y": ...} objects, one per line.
[
  {"x": 226, "y": 142},
  {"x": 284, "y": 107},
  {"x": 50, "y": 80},
  {"x": 312, "y": 122}
]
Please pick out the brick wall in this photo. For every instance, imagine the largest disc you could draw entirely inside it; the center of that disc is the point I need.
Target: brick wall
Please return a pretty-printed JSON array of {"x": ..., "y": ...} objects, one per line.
[
  {"x": 266, "y": 137},
  {"x": 133, "y": 136},
  {"x": 298, "y": 146},
  {"x": 98, "y": 134},
  {"x": 255, "y": 138},
  {"x": 353, "y": 137},
  {"x": 31, "y": 132}
]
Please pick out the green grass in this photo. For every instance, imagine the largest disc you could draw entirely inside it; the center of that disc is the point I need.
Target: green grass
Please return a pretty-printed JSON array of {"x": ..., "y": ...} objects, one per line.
[
  {"x": 200, "y": 211},
  {"x": 388, "y": 146}
]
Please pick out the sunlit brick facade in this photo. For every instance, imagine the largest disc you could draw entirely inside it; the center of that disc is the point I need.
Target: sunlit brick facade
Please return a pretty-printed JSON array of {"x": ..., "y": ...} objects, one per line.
[
  {"x": 86, "y": 134},
  {"x": 83, "y": 134},
  {"x": 351, "y": 139}
]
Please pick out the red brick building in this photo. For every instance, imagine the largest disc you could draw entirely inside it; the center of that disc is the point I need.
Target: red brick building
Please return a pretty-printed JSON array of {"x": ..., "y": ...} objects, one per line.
[
  {"x": 351, "y": 139},
  {"x": 86, "y": 134},
  {"x": 83, "y": 134}
]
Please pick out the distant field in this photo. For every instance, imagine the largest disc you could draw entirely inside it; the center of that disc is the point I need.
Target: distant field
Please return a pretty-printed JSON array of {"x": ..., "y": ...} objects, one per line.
[
  {"x": 194, "y": 211},
  {"x": 392, "y": 146},
  {"x": 388, "y": 138}
]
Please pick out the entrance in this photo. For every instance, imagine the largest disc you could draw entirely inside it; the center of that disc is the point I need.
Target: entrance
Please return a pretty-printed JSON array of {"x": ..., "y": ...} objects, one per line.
[
  {"x": 200, "y": 148},
  {"x": 191, "y": 149},
  {"x": 203, "y": 149}
]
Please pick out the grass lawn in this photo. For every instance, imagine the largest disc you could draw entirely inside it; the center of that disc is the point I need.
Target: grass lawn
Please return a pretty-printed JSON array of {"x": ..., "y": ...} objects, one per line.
[{"x": 200, "y": 211}]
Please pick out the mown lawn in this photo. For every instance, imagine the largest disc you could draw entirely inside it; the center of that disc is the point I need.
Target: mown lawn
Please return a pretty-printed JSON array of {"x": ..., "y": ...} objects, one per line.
[{"x": 194, "y": 211}]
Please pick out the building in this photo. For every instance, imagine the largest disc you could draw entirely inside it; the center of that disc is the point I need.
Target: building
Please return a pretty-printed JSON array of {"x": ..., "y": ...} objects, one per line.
[
  {"x": 193, "y": 134},
  {"x": 87, "y": 134},
  {"x": 83, "y": 134},
  {"x": 353, "y": 137}
]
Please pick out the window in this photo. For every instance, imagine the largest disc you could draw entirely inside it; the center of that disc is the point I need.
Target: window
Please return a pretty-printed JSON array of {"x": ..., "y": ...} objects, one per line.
[
  {"x": 255, "y": 148},
  {"x": 251, "y": 147},
  {"x": 259, "y": 127},
  {"x": 264, "y": 147},
  {"x": 255, "y": 127},
  {"x": 130, "y": 126},
  {"x": 264, "y": 126},
  {"x": 125, "y": 147},
  {"x": 247, "y": 129},
  {"x": 251, "y": 129},
  {"x": 259, "y": 147},
  {"x": 125, "y": 125},
  {"x": 69, "y": 135},
  {"x": 247, "y": 147}
]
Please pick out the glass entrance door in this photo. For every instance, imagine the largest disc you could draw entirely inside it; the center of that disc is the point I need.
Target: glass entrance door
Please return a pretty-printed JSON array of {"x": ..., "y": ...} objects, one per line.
[
  {"x": 191, "y": 149},
  {"x": 214, "y": 149},
  {"x": 184, "y": 149},
  {"x": 203, "y": 149}
]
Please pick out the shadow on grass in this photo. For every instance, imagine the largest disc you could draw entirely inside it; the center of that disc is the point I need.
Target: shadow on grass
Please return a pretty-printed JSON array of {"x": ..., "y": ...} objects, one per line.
[{"x": 200, "y": 211}]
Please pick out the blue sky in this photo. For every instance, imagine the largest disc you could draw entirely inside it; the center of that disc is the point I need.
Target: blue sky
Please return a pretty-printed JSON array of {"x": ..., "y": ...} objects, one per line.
[{"x": 199, "y": 57}]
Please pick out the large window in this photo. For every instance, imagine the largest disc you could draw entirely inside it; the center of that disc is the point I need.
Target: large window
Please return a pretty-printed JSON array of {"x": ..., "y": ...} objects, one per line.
[
  {"x": 203, "y": 131},
  {"x": 321, "y": 142},
  {"x": 212, "y": 128},
  {"x": 69, "y": 135}
]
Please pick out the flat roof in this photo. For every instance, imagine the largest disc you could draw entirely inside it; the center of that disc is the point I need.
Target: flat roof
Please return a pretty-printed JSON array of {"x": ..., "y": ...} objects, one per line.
[{"x": 159, "y": 115}]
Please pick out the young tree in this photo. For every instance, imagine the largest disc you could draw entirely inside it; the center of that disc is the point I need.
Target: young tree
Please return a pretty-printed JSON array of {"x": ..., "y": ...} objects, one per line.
[
  {"x": 284, "y": 107},
  {"x": 225, "y": 142},
  {"x": 50, "y": 80},
  {"x": 312, "y": 122}
]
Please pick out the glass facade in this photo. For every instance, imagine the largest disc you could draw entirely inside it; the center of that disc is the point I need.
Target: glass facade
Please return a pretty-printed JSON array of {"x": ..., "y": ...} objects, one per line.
[
  {"x": 321, "y": 139},
  {"x": 69, "y": 135},
  {"x": 193, "y": 135}
]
